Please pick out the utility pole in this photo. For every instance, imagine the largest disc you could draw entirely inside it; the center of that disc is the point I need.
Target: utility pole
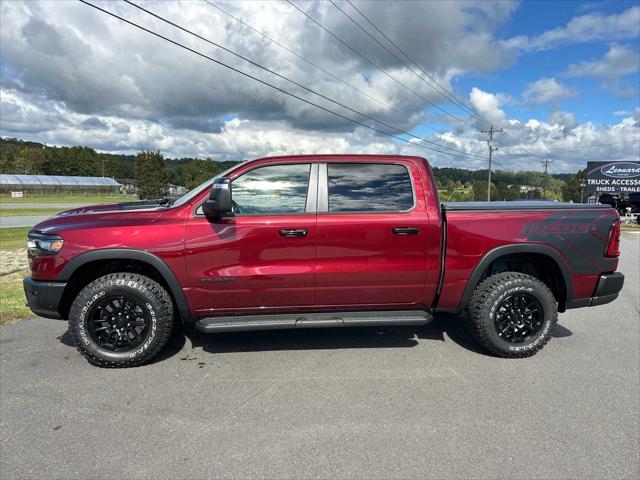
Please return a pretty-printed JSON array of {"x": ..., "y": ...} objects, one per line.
[
  {"x": 492, "y": 149},
  {"x": 546, "y": 164}
]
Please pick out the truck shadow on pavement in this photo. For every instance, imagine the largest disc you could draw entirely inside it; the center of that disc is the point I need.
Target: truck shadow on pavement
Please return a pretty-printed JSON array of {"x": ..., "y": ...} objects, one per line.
[{"x": 443, "y": 327}]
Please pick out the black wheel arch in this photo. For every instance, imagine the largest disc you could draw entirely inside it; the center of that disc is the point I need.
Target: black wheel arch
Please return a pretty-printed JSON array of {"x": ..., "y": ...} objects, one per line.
[
  {"x": 563, "y": 290},
  {"x": 105, "y": 256}
]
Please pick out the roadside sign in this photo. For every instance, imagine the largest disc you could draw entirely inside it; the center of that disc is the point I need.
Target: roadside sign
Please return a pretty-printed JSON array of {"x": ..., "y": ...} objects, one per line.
[
  {"x": 613, "y": 177},
  {"x": 17, "y": 194}
]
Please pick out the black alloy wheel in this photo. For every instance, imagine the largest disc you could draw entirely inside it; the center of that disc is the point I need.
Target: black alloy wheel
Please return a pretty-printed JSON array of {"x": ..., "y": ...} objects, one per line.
[
  {"x": 118, "y": 323},
  {"x": 512, "y": 314},
  {"x": 121, "y": 320},
  {"x": 519, "y": 317}
]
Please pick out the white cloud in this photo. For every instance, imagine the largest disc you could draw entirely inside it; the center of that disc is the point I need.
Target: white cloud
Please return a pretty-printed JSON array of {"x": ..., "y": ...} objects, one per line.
[
  {"x": 487, "y": 105},
  {"x": 73, "y": 76},
  {"x": 95, "y": 64},
  {"x": 546, "y": 90},
  {"x": 558, "y": 138},
  {"x": 591, "y": 27},
  {"x": 617, "y": 63},
  {"x": 240, "y": 139}
]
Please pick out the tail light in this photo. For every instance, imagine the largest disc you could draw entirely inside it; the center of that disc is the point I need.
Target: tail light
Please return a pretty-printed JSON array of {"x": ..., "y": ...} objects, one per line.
[{"x": 613, "y": 248}]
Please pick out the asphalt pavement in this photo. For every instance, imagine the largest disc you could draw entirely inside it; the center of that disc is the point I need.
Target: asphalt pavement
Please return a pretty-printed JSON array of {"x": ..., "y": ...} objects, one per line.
[
  {"x": 22, "y": 220},
  {"x": 30, "y": 220},
  {"x": 61, "y": 206},
  {"x": 373, "y": 403}
]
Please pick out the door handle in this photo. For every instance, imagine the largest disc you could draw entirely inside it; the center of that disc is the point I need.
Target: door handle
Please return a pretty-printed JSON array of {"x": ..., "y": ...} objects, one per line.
[
  {"x": 292, "y": 233},
  {"x": 406, "y": 230}
]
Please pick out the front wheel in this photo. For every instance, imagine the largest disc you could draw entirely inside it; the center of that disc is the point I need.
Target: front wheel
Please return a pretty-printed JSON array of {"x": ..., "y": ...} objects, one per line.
[
  {"x": 121, "y": 320},
  {"x": 512, "y": 314}
]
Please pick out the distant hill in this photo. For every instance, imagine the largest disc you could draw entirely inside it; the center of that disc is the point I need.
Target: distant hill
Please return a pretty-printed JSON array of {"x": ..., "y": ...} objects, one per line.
[{"x": 20, "y": 156}]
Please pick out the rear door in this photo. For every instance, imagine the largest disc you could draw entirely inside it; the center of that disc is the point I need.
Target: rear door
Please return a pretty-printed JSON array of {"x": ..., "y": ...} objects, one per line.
[
  {"x": 371, "y": 235},
  {"x": 262, "y": 257}
]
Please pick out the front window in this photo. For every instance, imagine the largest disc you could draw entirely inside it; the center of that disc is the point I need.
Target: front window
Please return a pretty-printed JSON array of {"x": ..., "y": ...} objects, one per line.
[{"x": 274, "y": 189}]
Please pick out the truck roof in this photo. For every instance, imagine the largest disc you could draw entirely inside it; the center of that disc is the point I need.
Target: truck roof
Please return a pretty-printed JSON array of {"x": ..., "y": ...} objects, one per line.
[{"x": 342, "y": 156}]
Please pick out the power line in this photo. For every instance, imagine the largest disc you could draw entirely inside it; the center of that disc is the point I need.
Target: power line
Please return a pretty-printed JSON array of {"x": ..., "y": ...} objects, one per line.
[
  {"x": 507, "y": 169},
  {"x": 516, "y": 141},
  {"x": 300, "y": 57},
  {"x": 455, "y": 100},
  {"x": 371, "y": 62},
  {"x": 289, "y": 50},
  {"x": 442, "y": 90},
  {"x": 398, "y": 130},
  {"x": 392, "y": 54},
  {"x": 281, "y": 90}
]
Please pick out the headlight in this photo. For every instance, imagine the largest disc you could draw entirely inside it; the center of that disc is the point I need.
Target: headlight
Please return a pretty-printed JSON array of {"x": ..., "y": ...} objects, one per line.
[{"x": 42, "y": 244}]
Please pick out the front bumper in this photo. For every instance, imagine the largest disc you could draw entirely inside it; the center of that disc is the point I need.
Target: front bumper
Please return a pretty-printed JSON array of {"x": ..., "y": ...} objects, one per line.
[
  {"x": 44, "y": 298},
  {"x": 607, "y": 291}
]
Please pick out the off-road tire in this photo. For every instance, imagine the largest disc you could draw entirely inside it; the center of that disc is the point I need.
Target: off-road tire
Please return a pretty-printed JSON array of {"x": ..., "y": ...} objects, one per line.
[
  {"x": 482, "y": 309},
  {"x": 131, "y": 285}
]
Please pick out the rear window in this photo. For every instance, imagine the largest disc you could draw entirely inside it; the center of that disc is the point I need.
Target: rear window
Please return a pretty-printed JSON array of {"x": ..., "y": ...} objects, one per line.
[{"x": 369, "y": 187}]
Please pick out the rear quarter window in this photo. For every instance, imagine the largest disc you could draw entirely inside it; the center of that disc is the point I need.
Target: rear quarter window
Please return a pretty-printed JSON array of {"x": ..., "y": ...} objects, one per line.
[{"x": 369, "y": 187}]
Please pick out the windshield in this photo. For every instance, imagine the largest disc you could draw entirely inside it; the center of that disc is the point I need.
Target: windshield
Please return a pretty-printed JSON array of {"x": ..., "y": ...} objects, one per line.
[{"x": 194, "y": 191}]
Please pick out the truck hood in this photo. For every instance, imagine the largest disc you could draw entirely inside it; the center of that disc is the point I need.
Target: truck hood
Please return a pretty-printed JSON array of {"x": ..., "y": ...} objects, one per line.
[
  {"x": 114, "y": 207},
  {"x": 103, "y": 215}
]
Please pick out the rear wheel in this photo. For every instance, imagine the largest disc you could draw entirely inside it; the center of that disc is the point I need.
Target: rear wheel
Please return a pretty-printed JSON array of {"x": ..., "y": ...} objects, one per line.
[
  {"x": 512, "y": 314},
  {"x": 121, "y": 320}
]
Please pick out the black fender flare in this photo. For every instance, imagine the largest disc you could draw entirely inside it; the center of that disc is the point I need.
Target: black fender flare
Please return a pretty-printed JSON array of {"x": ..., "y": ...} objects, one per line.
[
  {"x": 132, "y": 254},
  {"x": 498, "y": 252}
]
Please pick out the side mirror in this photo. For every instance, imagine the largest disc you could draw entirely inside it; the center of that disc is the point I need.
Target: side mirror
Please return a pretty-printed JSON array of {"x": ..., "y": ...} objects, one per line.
[{"x": 219, "y": 202}]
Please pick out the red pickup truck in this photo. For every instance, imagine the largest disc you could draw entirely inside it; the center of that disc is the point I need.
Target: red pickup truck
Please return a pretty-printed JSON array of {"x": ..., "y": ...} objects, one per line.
[{"x": 318, "y": 241}]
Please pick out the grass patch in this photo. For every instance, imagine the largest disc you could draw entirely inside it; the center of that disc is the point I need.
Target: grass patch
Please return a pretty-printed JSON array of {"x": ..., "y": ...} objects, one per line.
[
  {"x": 13, "y": 237},
  {"x": 76, "y": 199},
  {"x": 19, "y": 212},
  {"x": 12, "y": 299},
  {"x": 630, "y": 227}
]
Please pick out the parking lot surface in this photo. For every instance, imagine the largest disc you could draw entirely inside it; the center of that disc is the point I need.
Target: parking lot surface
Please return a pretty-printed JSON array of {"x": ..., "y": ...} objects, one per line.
[{"x": 337, "y": 403}]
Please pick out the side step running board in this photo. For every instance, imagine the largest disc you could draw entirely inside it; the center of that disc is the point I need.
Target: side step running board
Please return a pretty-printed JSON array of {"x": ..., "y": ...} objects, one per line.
[{"x": 313, "y": 320}]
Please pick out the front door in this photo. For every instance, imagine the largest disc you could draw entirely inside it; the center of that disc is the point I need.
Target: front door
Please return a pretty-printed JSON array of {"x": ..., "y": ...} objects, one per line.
[
  {"x": 262, "y": 257},
  {"x": 372, "y": 246}
]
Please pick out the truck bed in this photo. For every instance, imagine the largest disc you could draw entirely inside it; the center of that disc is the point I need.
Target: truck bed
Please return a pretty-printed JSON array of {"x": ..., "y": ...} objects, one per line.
[
  {"x": 574, "y": 235},
  {"x": 517, "y": 205}
]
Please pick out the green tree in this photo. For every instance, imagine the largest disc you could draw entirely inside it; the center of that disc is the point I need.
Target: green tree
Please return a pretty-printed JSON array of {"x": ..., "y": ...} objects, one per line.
[
  {"x": 32, "y": 160},
  {"x": 151, "y": 175},
  {"x": 505, "y": 192},
  {"x": 81, "y": 161},
  {"x": 197, "y": 171},
  {"x": 480, "y": 191},
  {"x": 571, "y": 190}
]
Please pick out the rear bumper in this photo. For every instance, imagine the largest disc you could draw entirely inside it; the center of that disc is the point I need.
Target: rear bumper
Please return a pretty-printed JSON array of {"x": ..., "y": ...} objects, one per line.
[
  {"x": 43, "y": 298},
  {"x": 607, "y": 290}
]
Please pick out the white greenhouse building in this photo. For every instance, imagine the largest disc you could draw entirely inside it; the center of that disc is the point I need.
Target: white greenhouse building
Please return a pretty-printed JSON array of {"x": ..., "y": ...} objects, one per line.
[{"x": 48, "y": 184}]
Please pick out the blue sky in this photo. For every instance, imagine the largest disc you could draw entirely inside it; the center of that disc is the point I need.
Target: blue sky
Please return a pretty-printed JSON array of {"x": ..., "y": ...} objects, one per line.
[
  {"x": 561, "y": 78},
  {"x": 592, "y": 102}
]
